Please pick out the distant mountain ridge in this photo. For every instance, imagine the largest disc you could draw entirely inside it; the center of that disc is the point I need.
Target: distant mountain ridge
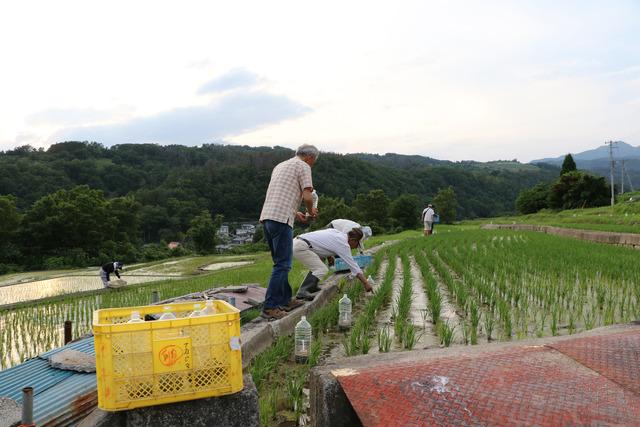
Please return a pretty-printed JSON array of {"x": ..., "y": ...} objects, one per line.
[
  {"x": 597, "y": 161},
  {"x": 621, "y": 150}
]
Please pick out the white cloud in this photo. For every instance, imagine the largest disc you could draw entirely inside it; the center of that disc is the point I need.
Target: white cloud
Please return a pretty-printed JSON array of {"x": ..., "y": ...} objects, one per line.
[
  {"x": 454, "y": 80},
  {"x": 234, "y": 79},
  {"x": 194, "y": 125}
]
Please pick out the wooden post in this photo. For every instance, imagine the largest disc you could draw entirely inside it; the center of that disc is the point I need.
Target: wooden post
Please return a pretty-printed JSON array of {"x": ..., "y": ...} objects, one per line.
[
  {"x": 27, "y": 406},
  {"x": 68, "y": 331}
]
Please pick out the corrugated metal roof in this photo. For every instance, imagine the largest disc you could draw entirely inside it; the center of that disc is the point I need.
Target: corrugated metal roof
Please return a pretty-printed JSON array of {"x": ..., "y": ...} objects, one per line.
[
  {"x": 60, "y": 398},
  {"x": 67, "y": 401},
  {"x": 84, "y": 345},
  {"x": 34, "y": 373}
]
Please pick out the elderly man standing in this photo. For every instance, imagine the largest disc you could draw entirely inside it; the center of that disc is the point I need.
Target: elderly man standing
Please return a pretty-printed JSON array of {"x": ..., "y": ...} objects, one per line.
[{"x": 290, "y": 184}]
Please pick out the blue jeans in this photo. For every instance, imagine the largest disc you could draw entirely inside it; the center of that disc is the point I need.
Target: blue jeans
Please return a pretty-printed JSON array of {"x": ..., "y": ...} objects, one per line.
[{"x": 279, "y": 236}]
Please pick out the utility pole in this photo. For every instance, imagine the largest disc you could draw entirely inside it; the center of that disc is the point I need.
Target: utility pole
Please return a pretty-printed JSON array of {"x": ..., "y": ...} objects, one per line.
[
  {"x": 621, "y": 176},
  {"x": 613, "y": 197}
]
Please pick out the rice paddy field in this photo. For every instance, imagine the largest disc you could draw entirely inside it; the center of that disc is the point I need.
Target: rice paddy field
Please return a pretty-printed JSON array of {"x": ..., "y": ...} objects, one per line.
[
  {"x": 460, "y": 286},
  {"x": 31, "y": 328},
  {"x": 40, "y": 289},
  {"x": 468, "y": 287}
]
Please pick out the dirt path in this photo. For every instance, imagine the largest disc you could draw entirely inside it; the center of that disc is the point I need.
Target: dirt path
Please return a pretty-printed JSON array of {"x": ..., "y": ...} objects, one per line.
[{"x": 419, "y": 316}]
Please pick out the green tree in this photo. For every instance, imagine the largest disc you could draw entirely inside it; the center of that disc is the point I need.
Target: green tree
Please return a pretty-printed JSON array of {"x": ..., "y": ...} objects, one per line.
[
  {"x": 331, "y": 208},
  {"x": 203, "y": 232},
  {"x": 405, "y": 210},
  {"x": 568, "y": 165},
  {"x": 9, "y": 223},
  {"x": 533, "y": 199},
  {"x": 446, "y": 204},
  {"x": 258, "y": 236},
  {"x": 373, "y": 209},
  {"x": 76, "y": 219},
  {"x": 154, "y": 219},
  {"x": 127, "y": 215},
  {"x": 578, "y": 190},
  {"x": 9, "y": 218}
]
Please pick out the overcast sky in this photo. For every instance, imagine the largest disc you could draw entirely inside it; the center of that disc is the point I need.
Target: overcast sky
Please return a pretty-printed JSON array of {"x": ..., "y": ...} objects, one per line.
[{"x": 480, "y": 80}]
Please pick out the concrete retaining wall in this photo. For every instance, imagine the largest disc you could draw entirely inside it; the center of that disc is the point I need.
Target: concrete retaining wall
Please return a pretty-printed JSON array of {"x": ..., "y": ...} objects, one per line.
[
  {"x": 621, "y": 239},
  {"x": 240, "y": 409}
]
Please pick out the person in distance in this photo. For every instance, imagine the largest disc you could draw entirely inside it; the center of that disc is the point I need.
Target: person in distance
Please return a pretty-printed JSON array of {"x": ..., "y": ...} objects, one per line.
[{"x": 107, "y": 269}]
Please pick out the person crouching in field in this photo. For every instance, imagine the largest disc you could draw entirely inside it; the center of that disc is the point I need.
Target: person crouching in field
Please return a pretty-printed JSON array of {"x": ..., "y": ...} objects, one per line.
[
  {"x": 107, "y": 269},
  {"x": 427, "y": 219},
  {"x": 309, "y": 248}
]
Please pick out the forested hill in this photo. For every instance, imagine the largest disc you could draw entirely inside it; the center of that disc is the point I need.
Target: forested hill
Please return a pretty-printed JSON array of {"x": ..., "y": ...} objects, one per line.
[{"x": 231, "y": 180}]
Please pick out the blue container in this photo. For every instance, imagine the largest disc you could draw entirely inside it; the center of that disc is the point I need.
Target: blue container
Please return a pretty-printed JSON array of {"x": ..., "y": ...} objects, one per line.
[{"x": 362, "y": 260}]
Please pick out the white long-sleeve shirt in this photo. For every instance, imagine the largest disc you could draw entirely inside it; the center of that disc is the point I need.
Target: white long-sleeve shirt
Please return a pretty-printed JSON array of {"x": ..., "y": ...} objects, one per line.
[
  {"x": 344, "y": 225},
  {"x": 332, "y": 242},
  {"x": 427, "y": 215}
]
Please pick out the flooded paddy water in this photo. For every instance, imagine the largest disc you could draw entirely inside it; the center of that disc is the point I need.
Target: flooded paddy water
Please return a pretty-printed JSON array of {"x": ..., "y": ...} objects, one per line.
[
  {"x": 223, "y": 265},
  {"x": 26, "y": 286},
  {"x": 28, "y": 291}
]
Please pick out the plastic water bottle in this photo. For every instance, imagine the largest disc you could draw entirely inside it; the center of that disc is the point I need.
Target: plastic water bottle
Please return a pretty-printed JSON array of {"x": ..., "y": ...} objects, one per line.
[
  {"x": 208, "y": 308},
  {"x": 344, "y": 307},
  {"x": 314, "y": 197},
  {"x": 167, "y": 314},
  {"x": 303, "y": 340},
  {"x": 196, "y": 310},
  {"x": 135, "y": 317}
]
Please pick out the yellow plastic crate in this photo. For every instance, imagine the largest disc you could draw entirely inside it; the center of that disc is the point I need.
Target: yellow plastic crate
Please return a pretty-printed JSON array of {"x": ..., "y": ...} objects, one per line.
[{"x": 165, "y": 361}]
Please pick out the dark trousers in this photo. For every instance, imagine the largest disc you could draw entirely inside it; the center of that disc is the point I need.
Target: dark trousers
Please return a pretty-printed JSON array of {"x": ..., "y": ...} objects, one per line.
[{"x": 279, "y": 236}]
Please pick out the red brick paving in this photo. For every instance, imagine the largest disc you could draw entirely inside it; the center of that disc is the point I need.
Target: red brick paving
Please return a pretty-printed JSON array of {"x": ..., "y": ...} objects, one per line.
[{"x": 539, "y": 385}]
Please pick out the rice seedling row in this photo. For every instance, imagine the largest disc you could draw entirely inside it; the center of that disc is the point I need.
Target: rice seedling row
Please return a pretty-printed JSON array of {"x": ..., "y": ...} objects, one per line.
[
  {"x": 33, "y": 328},
  {"x": 539, "y": 285}
]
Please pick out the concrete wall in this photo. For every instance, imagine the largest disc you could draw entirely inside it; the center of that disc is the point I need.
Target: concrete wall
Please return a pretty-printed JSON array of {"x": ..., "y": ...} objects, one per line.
[
  {"x": 330, "y": 406},
  {"x": 240, "y": 409}
]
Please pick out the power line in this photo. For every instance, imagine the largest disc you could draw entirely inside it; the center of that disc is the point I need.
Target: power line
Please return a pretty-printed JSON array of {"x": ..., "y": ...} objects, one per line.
[
  {"x": 621, "y": 176},
  {"x": 629, "y": 179},
  {"x": 611, "y": 162}
]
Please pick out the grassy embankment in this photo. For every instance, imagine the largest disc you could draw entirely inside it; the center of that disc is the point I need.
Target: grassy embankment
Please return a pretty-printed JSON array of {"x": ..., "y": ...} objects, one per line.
[{"x": 623, "y": 217}]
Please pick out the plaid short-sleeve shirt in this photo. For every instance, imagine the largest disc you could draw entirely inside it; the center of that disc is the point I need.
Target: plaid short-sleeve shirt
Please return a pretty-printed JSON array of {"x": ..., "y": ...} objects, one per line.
[{"x": 284, "y": 194}]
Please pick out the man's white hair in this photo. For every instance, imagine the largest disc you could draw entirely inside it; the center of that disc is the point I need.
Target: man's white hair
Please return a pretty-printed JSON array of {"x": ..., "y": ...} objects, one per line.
[{"x": 307, "y": 150}]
